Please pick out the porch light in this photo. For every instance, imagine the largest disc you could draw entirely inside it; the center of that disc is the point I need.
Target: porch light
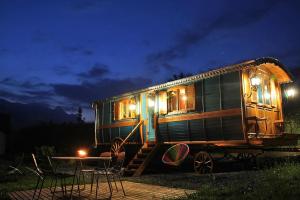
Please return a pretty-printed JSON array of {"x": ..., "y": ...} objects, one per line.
[
  {"x": 132, "y": 107},
  {"x": 151, "y": 103},
  {"x": 291, "y": 92},
  {"x": 82, "y": 153},
  {"x": 255, "y": 81}
]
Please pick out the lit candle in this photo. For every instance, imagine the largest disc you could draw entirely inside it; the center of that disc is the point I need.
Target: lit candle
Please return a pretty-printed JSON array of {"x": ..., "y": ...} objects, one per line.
[{"x": 82, "y": 153}]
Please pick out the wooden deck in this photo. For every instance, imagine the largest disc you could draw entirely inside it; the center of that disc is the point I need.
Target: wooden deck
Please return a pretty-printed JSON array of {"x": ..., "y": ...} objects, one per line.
[{"x": 133, "y": 191}]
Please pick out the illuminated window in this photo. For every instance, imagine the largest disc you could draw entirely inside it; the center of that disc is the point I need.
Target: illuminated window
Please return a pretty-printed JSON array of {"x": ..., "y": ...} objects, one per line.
[
  {"x": 264, "y": 91},
  {"x": 162, "y": 106},
  {"x": 125, "y": 109},
  {"x": 181, "y": 98}
]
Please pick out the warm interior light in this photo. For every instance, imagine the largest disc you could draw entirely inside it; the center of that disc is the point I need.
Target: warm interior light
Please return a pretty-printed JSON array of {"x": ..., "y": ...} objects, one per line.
[
  {"x": 184, "y": 97},
  {"x": 162, "y": 106},
  {"x": 291, "y": 92},
  {"x": 150, "y": 103},
  {"x": 82, "y": 153},
  {"x": 267, "y": 95},
  {"x": 132, "y": 107},
  {"x": 182, "y": 91},
  {"x": 255, "y": 81}
]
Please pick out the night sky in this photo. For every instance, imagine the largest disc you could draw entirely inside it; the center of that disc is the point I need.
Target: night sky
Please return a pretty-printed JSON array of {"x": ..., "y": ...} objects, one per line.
[{"x": 69, "y": 53}]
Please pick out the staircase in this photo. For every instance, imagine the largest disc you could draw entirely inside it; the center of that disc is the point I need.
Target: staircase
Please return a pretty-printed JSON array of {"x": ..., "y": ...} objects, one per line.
[{"x": 141, "y": 159}]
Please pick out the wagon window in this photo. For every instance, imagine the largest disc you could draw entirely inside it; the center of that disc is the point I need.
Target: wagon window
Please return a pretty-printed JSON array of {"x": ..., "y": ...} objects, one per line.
[
  {"x": 181, "y": 99},
  {"x": 264, "y": 91},
  {"x": 125, "y": 109},
  {"x": 162, "y": 102}
]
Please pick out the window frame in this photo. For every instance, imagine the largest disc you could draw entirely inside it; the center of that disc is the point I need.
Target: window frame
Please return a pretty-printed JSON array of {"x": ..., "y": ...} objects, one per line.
[
  {"x": 123, "y": 105},
  {"x": 181, "y": 105}
]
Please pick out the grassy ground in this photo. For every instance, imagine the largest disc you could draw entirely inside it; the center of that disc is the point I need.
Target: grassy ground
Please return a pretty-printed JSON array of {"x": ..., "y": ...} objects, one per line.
[{"x": 281, "y": 181}]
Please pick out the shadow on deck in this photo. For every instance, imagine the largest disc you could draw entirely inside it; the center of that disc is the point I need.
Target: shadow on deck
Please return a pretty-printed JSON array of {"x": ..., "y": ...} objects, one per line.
[{"x": 133, "y": 191}]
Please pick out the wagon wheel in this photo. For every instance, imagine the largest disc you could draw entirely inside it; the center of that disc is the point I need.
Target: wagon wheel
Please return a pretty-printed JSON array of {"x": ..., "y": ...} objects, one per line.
[
  {"x": 116, "y": 147},
  {"x": 203, "y": 163}
]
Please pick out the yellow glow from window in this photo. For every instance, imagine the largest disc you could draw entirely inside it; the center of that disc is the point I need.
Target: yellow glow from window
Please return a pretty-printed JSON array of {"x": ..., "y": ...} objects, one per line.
[
  {"x": 132, "y": 107},
  {"x": 267, "y": 95},
  {"x": 151, "y": 103},
  {"x": 163, "y": 106},
  {"x": 182, "y": 91},
  {"x": 184, "y": 98},
  {"x": 255, "y": 81}
]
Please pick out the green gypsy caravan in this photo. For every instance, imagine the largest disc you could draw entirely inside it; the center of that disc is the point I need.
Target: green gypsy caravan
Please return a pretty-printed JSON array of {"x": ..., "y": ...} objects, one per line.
[{"x": 232, "y": 108}]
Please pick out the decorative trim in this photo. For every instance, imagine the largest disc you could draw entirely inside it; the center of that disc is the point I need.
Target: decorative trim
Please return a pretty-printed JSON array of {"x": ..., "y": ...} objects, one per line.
[
  {"x": 213, "y": 114},
  {"x": 119, "y": 124}
]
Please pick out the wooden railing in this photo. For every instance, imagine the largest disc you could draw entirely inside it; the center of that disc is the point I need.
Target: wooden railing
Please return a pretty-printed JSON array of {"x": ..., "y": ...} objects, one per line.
[{"x": 131, "y": 133}]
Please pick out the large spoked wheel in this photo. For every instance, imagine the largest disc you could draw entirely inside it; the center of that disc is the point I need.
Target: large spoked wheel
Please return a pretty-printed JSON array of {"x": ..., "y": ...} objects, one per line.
[
  {"x": 203, "y": 163},
  {"x": 116, "y": 146}
]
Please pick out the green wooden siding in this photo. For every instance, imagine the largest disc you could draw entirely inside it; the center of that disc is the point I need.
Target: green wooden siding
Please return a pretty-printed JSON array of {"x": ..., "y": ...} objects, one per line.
[
  {"x": 163, "y": 132},
  {"x": 232, "y": 128},
  {"x": 213, "y": 129},
  {"x": 225, "y": 128},
  {"x": 217, "y": 93},
  {"x": 197, "y": 130},
  {"x": 179, "y": 131},
  {"x": 211, "y": 94},
  {"x": 230, "y": 90},
  {"x": 199, "y": 96},
  {"x": 107, "y": 113}
]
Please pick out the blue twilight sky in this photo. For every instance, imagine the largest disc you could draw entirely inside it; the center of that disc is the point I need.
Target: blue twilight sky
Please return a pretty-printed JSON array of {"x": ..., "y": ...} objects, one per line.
[{"x": 68, "y": 53}]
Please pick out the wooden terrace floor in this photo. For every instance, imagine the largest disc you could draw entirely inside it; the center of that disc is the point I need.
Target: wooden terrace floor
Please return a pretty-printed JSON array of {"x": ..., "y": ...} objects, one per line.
[{"x": 133, "y": 191}]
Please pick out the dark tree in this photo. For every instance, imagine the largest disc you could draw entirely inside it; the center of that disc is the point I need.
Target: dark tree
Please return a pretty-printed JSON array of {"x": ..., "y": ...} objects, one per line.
[
  {"x": 79, "y": 115},
  {"x": 179, "y": 76}
]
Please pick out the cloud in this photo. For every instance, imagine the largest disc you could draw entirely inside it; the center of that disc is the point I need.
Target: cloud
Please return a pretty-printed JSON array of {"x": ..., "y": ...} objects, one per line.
[
  {"x": 97, "y": 71},
  {"x": 28, "y": 84},
  {"x": 186, "y": 39},
  {"x": 88, "y": 92}
]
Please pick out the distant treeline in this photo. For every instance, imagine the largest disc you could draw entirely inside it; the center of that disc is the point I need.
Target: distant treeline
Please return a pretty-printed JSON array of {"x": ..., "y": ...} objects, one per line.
[{"x": 66, "y": 138}]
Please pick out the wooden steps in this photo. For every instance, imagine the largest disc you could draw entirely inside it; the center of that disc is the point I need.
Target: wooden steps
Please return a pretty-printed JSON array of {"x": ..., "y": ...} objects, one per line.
[{"x": 141, "y": 160}]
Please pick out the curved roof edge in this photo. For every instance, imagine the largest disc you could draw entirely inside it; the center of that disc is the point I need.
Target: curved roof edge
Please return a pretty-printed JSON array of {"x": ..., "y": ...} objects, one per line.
[
  {"x": 280, "y": 66},
  {"x": 277, "y": 68}
]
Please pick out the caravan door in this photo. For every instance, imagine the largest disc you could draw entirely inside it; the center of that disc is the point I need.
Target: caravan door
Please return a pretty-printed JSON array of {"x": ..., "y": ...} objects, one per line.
[{"x": 147, "y": 114}]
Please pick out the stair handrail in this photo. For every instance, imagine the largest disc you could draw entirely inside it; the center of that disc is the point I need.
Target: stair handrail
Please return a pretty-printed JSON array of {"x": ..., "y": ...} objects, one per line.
[{"x": 130, "y": 134}]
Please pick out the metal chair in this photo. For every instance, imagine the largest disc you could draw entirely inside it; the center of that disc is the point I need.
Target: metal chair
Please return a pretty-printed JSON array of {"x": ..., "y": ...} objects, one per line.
[
  {"x": 41, "y": 177},
  {"x": 42, "y": 174},
  {"x": 103, "y": 169},
  {"x": 85, "y": 170},
  {"x": 117, "y": 170},
  {"x": 16, "y": 167}
]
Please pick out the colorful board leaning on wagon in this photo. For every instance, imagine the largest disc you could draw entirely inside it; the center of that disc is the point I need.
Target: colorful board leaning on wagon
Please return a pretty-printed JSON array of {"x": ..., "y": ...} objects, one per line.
[{"x": 233, "y": 106}]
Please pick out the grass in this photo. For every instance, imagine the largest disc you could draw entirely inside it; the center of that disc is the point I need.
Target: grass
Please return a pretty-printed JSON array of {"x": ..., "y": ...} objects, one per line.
[{"x": 279, "y": 182}]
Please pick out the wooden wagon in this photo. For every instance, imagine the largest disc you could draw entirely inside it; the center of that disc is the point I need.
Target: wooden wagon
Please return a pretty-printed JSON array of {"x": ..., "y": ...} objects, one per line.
[{"x": 233, "y": 108}]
